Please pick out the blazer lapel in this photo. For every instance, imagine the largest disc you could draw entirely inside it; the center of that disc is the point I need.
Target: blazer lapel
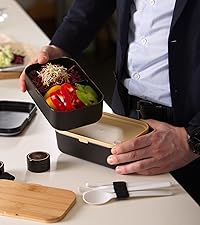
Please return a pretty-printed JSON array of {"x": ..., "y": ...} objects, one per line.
[
  {"x": 124, "y": 17},
  {"x": 180, "y": 4}
]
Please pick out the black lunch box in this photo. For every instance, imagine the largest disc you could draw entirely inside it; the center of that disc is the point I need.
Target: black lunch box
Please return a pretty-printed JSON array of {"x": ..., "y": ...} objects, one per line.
[
  {"x": 86, "y": 133},
  {"x": 94, "y": 142},
  {"x": 68, "y": 119}
]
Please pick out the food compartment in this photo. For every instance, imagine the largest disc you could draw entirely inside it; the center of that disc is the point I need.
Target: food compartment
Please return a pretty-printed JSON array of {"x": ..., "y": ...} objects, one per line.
[
  {"x": 94, "y": 142},
  {"x": 76, "y": 102}
]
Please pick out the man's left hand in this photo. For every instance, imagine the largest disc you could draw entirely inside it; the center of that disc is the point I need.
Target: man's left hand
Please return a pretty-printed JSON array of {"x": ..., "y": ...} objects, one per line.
[{"x": 163, "y": 150}]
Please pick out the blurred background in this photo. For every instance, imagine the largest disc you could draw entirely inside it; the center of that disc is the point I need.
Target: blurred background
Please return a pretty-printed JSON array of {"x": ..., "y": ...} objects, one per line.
[{"x": 98, "y": 59}]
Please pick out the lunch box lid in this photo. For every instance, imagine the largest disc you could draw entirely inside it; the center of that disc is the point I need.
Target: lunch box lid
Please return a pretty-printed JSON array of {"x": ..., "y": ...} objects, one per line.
[
  {"x": 15, "y": 116},
  {"x": 111, "y": 129}
]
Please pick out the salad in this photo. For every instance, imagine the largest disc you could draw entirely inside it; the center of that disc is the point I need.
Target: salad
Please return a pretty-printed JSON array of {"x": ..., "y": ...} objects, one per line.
[
  {"x": 63, "y": 89},
  {"x": 8, "y": 57}
]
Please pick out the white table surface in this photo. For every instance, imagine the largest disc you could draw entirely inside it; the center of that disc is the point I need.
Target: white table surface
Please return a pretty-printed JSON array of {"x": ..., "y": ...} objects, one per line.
[
  {"x": 70, "y": 172},
  {"x": 20, "y": 27}
]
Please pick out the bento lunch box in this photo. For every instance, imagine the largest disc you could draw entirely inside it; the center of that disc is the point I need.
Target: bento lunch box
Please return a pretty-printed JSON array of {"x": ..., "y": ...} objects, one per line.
[
  {"x": 93, "y": 142},
  {"x": 65, "y": 120}
]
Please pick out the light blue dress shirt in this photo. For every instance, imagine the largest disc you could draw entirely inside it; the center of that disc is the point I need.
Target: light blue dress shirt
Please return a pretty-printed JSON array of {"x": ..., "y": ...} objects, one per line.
[{"x": 148, "y": 50}]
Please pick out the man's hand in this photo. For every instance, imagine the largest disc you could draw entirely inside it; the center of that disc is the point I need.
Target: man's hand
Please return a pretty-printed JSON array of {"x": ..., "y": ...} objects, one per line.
[
  {"x": 163, "y": 150},
  {"x": 46, "y": 53}
]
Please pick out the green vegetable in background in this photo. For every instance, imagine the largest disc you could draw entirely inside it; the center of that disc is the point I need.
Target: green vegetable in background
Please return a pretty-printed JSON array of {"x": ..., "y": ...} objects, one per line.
[
  {"x": 6, "y": 56},
  {"x": 86, "y": 94}
]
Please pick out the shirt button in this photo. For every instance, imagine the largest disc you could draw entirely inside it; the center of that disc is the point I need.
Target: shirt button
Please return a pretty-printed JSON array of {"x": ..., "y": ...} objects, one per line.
[
  {"x": 175, "y": 91},
  {"x": 173, "y": 41},
  {"x": 144, "y": 41},
  {"x": 152, "y": 2},
  {"x": 136, "y": 76}
]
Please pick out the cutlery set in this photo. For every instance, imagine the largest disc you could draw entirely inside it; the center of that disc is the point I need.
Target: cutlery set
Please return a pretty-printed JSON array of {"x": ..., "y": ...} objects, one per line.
[{"x": 98, "y": 194}]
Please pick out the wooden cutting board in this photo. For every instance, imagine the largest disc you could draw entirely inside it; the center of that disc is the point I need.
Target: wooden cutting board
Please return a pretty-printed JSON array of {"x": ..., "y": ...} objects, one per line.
[
  {"x": 10, "y": 75},
  {"x": 35, "y": 202}
]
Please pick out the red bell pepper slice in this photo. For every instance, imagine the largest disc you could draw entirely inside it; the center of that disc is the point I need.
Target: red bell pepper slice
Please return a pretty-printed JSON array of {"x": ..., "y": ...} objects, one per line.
[
  {"x": 66, "y": 89},
  {"x": 72, "y": 100},
  {"x": 57, "y": 101},
  {"x": 50, "y": 103},
  {"x": 76, "y": 101},
  {"x": 51, "y": 90}
]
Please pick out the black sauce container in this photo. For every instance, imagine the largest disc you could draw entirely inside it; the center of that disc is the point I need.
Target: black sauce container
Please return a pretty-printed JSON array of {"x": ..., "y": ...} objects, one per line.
[
  {"x": 69, "y": 119},
  {"x": 38, "y": 161}
]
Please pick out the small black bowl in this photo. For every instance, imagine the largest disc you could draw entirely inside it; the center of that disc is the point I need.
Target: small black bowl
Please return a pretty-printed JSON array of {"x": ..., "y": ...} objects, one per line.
[
  {"x": 68, "y": 119},
  {"x": 38, "y": 161}
]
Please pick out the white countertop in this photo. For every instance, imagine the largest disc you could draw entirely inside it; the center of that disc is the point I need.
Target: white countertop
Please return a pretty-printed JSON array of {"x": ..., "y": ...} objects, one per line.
[
  {"x": 70, "y": 172},
  {"x": 20, "y": 27}
]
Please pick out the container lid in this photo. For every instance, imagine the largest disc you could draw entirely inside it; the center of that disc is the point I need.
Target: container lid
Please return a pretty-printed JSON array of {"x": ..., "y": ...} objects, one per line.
[
  {"x": 111, "y": 129},
  {"x": 15, "y": 116}
]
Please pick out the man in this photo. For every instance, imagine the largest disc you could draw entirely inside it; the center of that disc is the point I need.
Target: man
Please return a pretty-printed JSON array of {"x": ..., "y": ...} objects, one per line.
[{"x": 157, "y": 78}]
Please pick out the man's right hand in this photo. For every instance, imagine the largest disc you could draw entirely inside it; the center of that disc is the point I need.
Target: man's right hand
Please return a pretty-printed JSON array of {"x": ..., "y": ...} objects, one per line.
[{"x": 45, "y": 54}]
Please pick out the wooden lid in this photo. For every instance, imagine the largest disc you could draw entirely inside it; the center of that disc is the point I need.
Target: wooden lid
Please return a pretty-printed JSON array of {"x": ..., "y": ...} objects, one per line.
[
  {"x": 35, "y": 202},
  {"x": 111, "y": 129}
]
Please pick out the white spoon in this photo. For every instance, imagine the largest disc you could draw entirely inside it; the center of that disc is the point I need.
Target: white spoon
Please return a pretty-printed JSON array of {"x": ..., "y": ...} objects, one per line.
[{"x": 99, "y": 197}]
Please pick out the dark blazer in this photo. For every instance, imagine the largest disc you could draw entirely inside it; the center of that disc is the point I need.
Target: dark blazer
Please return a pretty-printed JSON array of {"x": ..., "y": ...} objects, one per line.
[{"x": 86, "y": 17}]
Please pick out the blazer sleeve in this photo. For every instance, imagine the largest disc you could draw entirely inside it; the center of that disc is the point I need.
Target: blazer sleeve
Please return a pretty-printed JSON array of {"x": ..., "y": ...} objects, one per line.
[
  {"x": 194, "y": 123},
  {"x": 81, "y": 24}
]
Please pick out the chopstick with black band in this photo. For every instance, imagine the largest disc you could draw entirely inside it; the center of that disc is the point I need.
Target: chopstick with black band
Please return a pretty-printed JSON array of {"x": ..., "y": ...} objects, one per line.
[{"x": 121, "y": 189}]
